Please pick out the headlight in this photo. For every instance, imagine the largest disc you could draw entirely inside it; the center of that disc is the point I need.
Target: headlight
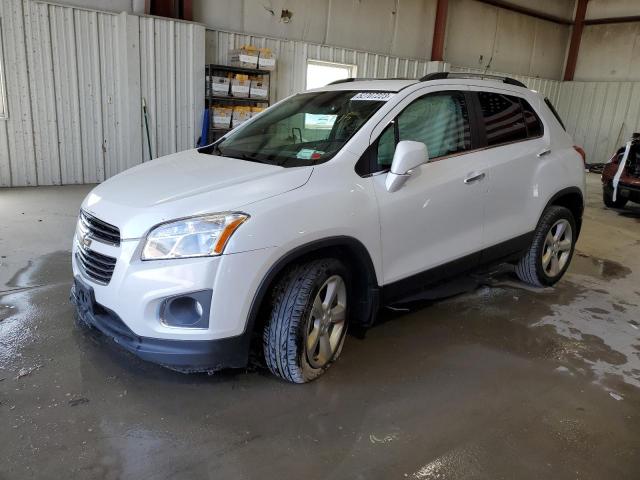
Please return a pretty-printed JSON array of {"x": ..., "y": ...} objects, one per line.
[{"x": 204, "y": 236}]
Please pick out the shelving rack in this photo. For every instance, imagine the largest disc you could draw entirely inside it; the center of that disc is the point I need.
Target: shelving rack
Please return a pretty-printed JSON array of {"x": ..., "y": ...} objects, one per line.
[{"x": 210, "y": 99}]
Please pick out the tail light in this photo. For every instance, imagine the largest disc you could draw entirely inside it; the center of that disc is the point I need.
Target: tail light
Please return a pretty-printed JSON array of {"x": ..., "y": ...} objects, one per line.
[{"x": 582, "y": 153}]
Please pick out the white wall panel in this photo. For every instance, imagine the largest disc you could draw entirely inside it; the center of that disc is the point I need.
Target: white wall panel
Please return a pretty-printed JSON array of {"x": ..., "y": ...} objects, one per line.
[
  {"x": 609, "y": 52},
  {"x": 601, "y": 116},
  {"x": 148, "y": 83},
  {"x": 481, "y": 35},
  {"x": 172, "y": 83},
  {"x": 5, "y": 166},
  {"x": 65, "y": 79},
  {"x": 90, "y": 89},
  {"x": 402, "y": 28},
  {"x": 19, "y": 126},
  {"x": 612, "y": 8},
  {"x": 75, "y": 80},
  {"x": 42, "y": 88}
]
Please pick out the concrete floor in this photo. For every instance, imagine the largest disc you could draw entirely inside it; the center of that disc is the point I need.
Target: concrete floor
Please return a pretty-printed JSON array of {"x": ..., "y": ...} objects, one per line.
[{"x": 502, "y": 382}]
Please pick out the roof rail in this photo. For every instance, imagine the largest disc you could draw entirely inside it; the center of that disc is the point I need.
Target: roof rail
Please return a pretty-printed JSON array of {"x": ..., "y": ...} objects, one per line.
[
  {"x": 351, "y": 79},
  {"x": 342, "y": 80},
  {"x": 445, "y": 75}
]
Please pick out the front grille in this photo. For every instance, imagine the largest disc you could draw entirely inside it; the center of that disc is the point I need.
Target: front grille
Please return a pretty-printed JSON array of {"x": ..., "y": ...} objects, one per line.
[
  {"x": 99, "y": 230},
  {"x": 95, "y": 265}
]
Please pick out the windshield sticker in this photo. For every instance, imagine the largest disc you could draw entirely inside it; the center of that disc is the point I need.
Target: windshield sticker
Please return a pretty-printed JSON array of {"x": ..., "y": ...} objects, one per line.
[
  {"x": 319, "y": 121},
  {"x": 309, "y": 154},
  {"x": 373, "y": 96}
]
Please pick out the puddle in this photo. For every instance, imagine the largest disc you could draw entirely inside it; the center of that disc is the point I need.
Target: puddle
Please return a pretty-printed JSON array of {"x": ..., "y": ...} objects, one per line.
[
  {"x": 24, "y": 305},
  {"x": 580, "y": 323},
  {"x": 582, "y": 264},
  {"x": 44, "y": 270}
]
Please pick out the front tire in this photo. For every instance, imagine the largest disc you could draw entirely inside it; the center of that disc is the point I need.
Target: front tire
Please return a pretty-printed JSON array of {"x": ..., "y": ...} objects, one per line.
[
  {"x": 308, "y": 321},
  {"x": 607, "y": 198},
  {"x": 552, "y": 248}
]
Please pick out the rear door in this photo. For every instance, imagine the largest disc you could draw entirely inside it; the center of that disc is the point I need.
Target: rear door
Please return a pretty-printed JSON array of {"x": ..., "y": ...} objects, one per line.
[{"x": 515, "y": 147}]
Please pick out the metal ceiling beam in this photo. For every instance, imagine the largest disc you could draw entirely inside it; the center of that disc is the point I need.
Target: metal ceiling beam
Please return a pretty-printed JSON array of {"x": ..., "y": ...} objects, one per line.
[
  {"x": 576, "y": 37},
  {"x": 527, "y": 11},
  {"x": 439, "y": 31},
  {"x": 604, "y": 21}
]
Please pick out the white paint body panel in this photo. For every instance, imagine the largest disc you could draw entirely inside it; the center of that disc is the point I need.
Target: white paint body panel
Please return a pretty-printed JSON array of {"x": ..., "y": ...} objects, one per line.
[
  {"x": 433, "y": 219},
  {"x": 183, "y": 185}
]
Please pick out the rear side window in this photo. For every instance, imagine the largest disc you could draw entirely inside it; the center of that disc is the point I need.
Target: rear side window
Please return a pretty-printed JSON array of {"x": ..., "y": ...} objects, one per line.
[
  {"x": 503, "y": 118},
  {"x": 555, "y": 114},
  {"x": 531, "y": 120}
]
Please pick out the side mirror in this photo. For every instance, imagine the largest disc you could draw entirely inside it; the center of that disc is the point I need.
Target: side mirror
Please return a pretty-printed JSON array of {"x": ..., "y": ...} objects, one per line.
[{"x": 408, "y": 155}]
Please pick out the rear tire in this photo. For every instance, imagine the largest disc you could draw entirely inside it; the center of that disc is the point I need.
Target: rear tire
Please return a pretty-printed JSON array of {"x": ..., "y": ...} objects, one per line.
[
  {"x": 607, "y": 198},
  {"x": 308, "y": 322},
  {"x": 551, "y": 250}
]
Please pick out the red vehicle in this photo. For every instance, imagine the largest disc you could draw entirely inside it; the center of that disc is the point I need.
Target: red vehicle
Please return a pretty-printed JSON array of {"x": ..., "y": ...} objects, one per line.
[{"x": 629, "y": 184}]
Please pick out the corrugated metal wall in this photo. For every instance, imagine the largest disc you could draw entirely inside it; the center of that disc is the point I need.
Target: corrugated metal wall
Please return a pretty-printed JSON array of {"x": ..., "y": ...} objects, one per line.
[
  {"x": 601, "y": 116},
  {"x": 292, "y": 56},
  {"x": 75, "y": 79}
]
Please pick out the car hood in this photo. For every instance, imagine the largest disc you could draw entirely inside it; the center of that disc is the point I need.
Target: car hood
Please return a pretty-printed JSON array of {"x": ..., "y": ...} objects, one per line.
[{"x": 186, "y": 184}]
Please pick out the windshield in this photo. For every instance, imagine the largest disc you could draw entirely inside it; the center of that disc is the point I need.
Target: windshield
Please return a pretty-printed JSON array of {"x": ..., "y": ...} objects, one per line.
[{"x": 306, "y": 129}]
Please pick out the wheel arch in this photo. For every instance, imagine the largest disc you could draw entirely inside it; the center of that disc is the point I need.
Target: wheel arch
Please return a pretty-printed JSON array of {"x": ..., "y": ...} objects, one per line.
[
  {"x": 572, "y": 199},
  {"x": 346, "y": 249}
]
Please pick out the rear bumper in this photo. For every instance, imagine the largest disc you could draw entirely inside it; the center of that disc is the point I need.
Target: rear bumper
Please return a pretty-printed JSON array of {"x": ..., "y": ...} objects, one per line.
[{"x": 183, "y": 355}]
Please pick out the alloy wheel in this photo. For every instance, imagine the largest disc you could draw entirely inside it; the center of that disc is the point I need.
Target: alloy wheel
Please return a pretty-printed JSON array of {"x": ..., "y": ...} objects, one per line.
[
  {"x": 326, "y": 325},
  {"x": 557, "y": 248}
]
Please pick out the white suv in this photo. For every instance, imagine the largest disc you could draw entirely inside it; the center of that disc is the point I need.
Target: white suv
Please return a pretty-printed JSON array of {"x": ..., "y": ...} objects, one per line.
[{"x": 318, "y": 211}]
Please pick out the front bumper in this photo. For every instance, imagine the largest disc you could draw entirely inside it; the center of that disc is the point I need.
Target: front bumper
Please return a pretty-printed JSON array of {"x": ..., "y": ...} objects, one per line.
[
  {"x": 137, "y": 289},
  {"x": 129, "y": 307},
  {"x": 187, "y": 356},
  {"x": 625, "y": 190}
]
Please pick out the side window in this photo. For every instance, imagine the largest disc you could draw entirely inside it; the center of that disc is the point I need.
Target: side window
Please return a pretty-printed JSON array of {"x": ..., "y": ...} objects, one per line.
[
  {"x": 440, "y": 120},
  {"x": 386, "y": 146},
  {"x": 531, "y": 120},
  {"x": 503, "y": 118}
]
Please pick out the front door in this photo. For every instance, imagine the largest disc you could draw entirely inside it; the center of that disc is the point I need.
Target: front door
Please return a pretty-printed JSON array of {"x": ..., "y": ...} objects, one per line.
[{"x": 436, "y": 218}]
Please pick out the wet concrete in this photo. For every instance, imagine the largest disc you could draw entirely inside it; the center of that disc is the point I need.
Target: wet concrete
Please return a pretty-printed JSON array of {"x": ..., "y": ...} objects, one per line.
[{"x": 499, "y": 382}]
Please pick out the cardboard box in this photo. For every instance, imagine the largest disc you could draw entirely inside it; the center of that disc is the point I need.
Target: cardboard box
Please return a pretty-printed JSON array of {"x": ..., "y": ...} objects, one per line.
[
  {"x": 245, "y": 57},
  {"x": 256, "y": 110},
  {"x": 240, "y": 86},
  {"x": 220, "y": 86},
  {"x": 266, "y": 59},
  {"x": 259, "y": 88},
  {"x": 222, "y": 116},
  {"x": 240, "y": 115}
]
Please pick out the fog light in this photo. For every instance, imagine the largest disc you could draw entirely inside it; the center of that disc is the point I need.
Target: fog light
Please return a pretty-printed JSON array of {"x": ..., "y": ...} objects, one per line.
[{"x": 189, "y": 310}]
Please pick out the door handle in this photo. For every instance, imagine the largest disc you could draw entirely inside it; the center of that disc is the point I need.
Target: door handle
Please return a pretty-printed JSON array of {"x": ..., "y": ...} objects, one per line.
[
  {"x": 544, "y": 152},
  {"x": 474, "y": 177}
]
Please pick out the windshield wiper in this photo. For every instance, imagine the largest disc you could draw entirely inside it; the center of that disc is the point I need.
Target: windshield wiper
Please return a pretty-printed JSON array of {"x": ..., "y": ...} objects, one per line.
[{"x": 244, "y": 156}]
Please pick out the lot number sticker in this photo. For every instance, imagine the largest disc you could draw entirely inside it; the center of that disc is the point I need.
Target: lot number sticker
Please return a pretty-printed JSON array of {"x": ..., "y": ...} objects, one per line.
[{"x": 373, "y": 96}]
